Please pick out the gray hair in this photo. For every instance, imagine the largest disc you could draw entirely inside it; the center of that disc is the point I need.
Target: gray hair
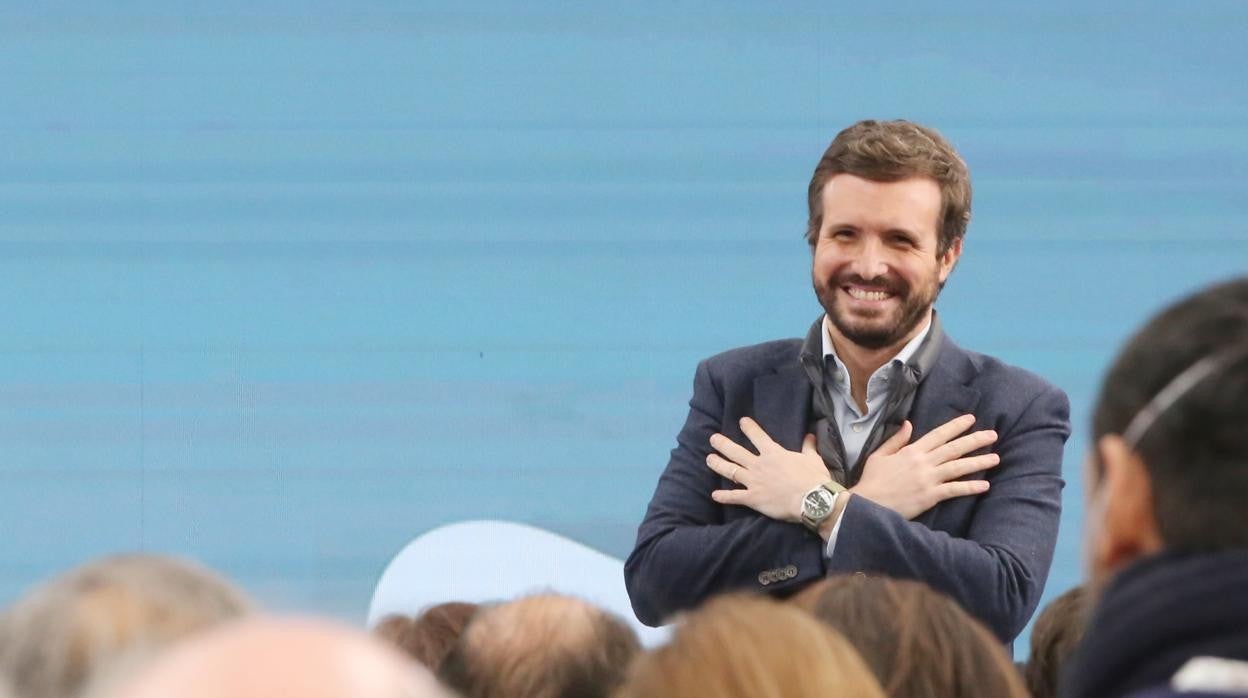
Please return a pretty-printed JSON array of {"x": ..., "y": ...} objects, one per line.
[{"x": 69, "y": 630}]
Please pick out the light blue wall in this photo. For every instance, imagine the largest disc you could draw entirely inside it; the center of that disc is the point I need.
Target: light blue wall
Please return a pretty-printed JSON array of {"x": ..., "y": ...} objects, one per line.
[{"x": 287, "y": 285}]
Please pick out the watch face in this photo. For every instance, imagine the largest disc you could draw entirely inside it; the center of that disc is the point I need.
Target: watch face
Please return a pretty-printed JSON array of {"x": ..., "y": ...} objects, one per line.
[{"x": 817, "y": 504}]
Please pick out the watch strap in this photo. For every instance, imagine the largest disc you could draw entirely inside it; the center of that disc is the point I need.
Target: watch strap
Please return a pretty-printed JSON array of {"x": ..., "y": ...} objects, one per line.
[{"x": 834, "y": 487}]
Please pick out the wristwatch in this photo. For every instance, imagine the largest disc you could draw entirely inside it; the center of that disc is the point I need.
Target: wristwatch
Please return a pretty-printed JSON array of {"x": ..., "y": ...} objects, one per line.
[{"x": 817, "y": 504}]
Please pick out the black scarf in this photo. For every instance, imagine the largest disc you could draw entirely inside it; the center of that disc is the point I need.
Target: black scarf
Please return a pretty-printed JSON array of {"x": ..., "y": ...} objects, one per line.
[
  {"x": 1154, "y": 616},
  {"x": 902, "y": 386}
]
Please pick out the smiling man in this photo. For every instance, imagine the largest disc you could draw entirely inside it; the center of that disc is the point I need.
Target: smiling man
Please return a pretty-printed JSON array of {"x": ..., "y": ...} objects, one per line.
[{"x": 876, "y": 444}]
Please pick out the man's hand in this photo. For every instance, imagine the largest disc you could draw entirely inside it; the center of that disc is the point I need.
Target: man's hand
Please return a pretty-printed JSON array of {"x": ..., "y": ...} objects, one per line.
[
  {"x": 912, "y": 479},
  {"x": 775, "y": 480}
]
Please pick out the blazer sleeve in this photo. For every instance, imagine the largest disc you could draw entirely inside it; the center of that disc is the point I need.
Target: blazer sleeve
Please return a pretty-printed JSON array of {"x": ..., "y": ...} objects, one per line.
[
  {"x": 997, "y": 572},
  {"x": 687, "y": 551}
]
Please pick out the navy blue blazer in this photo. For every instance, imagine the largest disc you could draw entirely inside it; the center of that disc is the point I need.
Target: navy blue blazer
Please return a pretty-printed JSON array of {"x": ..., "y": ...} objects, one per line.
[{"x": 990, "y": 552}]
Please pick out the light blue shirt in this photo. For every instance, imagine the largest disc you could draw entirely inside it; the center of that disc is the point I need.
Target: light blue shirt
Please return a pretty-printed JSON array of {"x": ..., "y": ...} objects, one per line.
[{"x": 855, "y": 427}]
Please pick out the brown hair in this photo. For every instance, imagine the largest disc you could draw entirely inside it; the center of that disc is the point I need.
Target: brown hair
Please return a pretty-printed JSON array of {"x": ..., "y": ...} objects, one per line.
[
  {"x": 72, "y": 629},
  {"x": 890, "y": 151},
  {"x": 751, "y": 647},
  {"x": 546, "y": 646},
  {"x": 1057, "y": 632},
  {"x": 427, "y": 638},
  {"x": 918, "y": 642}
]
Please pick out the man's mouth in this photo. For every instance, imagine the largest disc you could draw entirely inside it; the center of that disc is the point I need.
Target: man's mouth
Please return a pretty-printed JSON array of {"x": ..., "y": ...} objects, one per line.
[{"x": 866, "y": 294}]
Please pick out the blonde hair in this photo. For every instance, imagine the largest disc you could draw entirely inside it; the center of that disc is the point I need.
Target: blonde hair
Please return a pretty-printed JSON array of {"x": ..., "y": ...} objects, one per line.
[
  {"x": 68, "y": 631},
  {"x": 751, "y": 647}
]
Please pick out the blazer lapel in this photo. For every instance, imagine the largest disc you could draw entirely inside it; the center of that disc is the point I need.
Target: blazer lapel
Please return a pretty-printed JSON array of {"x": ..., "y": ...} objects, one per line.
[
  {"x": 946, "y": 393},
  {"x": 782, "y": 404},
  {"x": 782, "y": 397},
  {"x": 943, "y": 395}
]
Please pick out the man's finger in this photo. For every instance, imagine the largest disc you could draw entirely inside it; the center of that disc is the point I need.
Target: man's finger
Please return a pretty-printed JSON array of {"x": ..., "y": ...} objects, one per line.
[
  {"x": 730, "y": 496},
  {"x": 809, "y": 445},
  {"x": 961, "y": 446},
  {"x": 945, "y": 432},
  {"x": 958, "y": 488},
  {"x": 965, "y": 466},
  {"x": 897, "y": 441},
  {"x": 724, "y": 468},
  {"x": 732, "y": 450},
  {"x": 755, "y": 434}
]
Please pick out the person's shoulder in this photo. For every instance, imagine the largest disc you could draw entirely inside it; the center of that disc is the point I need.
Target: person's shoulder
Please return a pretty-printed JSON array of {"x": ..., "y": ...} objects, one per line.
[
  {"x": 1013, "y": 387},
  {"x": 755, "y": 359}
]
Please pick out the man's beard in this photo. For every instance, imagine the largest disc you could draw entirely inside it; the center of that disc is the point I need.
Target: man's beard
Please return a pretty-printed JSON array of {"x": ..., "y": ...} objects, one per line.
[{"x": 880, "y": 331}]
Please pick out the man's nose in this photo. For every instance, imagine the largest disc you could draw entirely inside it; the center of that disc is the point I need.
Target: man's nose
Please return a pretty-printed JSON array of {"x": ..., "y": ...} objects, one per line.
[{"x": 869, "y": 262}]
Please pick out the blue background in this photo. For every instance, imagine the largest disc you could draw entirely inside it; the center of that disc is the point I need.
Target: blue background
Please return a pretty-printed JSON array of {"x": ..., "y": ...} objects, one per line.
[{"x": 285, "y": 285}]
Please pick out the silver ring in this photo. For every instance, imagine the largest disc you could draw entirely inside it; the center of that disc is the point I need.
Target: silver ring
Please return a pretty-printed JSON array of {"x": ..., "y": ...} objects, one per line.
[{"x": 733, "y": 476}]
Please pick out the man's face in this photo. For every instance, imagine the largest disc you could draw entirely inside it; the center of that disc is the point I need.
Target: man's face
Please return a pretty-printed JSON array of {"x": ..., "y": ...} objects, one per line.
[{"x": 875, "y": 268}]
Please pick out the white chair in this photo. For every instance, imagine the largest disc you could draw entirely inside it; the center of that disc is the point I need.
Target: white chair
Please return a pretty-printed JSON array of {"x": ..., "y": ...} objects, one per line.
[{"x": 486, "y": 561}]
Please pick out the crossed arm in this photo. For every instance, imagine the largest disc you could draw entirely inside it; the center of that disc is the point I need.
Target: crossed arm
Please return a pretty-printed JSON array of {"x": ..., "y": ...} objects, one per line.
[
  {"x": 908, "y": 478},
  {"x": 997, "y": 565},
  {"x": 691, "y": 546}
]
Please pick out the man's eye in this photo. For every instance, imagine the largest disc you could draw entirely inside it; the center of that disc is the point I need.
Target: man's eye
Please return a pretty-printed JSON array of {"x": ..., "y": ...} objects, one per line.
[
  {"x": 842, "y": 234},
  {"x": 902, "y": 241}
]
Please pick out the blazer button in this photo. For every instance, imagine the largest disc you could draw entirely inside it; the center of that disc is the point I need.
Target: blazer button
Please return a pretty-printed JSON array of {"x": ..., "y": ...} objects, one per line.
[
  {"x": 790, "y": 571},
  {"x": 764, "y": 578}
]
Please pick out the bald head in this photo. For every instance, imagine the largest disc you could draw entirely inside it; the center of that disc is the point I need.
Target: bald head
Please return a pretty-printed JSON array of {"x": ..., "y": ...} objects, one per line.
[
  {"x": 546, "y": 646},
  {"x": 268, "y": 657}
]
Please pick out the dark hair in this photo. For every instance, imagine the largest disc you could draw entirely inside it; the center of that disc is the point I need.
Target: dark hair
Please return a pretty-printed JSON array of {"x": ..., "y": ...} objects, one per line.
[
  {"x": 1197, "y": 448},
  {"x": 541, "y": 647},
  {"x": 918, "y": 642},
  {"x": 428, "y": 637},
  {"x": 890, "y": 151},
  {"x": 1057, "y": 632}
]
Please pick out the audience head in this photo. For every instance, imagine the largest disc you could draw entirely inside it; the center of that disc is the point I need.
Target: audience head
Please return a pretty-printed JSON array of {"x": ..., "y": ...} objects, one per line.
[
  {"x": 917, "y": 641},
  {"x": 751, "y": 647},
  {"x": 261, "y": 658},
  {"x": 75, "y": 627},
  {"x": 427, "y": 638},
  {"x": 545, "y": 646},
  {"x": 1168, "y": 433},
  {"x": 1057, "y": 632}
]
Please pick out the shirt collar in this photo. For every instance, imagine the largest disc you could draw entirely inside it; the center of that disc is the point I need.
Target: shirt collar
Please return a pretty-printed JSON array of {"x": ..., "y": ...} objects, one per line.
[{"x": 901, "y": 357}]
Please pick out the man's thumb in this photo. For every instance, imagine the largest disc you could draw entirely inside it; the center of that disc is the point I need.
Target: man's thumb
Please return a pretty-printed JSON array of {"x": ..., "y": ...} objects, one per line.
[{"x": 808, "y": 444}]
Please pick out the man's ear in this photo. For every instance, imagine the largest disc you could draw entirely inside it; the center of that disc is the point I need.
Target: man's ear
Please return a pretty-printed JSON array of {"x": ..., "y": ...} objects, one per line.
[
  {"x": 1128, "y": 526},
  {"x": 950, "y": 259}
]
